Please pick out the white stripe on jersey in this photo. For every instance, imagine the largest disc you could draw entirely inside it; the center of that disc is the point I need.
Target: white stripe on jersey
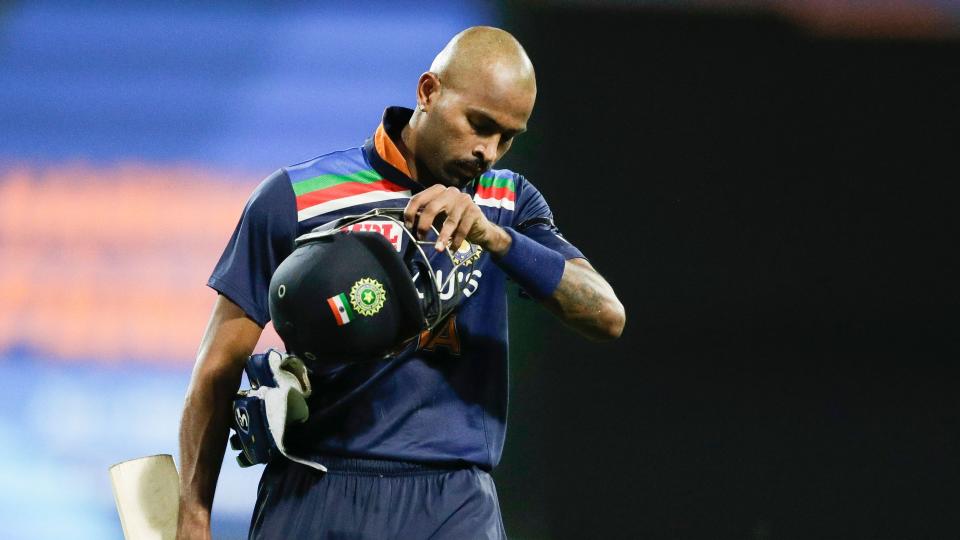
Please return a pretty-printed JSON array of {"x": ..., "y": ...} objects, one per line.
[
  {"x": 352, "y": 200},
  {"x": 494, "y": 203}
]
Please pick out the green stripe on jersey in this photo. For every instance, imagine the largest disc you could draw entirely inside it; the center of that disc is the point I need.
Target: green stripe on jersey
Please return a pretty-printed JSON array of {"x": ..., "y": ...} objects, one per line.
[
  {"x": 325, "y": 181},
  {"x": 494, "y": 182}
]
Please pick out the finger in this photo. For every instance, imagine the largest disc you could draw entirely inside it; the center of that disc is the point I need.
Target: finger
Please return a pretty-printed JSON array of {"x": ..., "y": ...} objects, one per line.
[
  {"x": 427, "y": 216},
  {"x": 450, "y": 226},
  {"x": 414, "y": 205},
  {"x": 467, "y": 221},
  {"x": 429, "y": 212},
  {"x": 417, "y": 202},
  {"x": 410, "y": 211}
]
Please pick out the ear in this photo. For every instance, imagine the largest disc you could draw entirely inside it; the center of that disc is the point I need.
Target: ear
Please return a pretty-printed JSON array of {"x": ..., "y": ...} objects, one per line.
[{"x": 428, "y": 89}]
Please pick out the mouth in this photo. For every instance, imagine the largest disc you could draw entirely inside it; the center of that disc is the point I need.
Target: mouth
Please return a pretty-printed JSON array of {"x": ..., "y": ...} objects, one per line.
[{"x": 469, "y": 170}]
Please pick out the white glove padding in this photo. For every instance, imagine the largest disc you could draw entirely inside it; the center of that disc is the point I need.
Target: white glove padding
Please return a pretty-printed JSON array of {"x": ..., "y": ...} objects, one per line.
[{"x": 280, "y": 386}]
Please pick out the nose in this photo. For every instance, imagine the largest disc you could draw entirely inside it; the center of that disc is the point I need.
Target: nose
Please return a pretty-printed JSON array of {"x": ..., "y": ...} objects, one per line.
[{"x": 486, "y": 149}]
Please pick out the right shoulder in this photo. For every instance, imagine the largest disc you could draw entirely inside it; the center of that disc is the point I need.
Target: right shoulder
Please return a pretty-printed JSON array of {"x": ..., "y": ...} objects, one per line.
[
  {"x": 279, "y": 190},
  {"x": 273, "y": 196},
  {"x": 340, "y": 163},
  {"x": 333, "y": 183}
]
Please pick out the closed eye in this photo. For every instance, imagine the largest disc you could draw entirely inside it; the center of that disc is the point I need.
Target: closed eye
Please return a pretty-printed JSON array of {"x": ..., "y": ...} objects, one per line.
[{"x": 485, "y": 126}]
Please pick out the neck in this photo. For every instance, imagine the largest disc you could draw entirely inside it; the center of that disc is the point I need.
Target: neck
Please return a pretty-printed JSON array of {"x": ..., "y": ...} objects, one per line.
[
  {"x": 408, "y": 144},
  {"x": 408, "y": 148}
]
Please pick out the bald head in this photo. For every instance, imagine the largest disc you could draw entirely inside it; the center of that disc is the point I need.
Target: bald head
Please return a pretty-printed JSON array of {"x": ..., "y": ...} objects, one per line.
[
  {"x": 477, "y": 96},
  {"x": 484, "y": 54}
]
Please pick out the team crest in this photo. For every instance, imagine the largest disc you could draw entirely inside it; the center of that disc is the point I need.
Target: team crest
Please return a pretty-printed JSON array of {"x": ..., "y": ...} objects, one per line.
[
  {"x": 367, "y": 296},
  {"x": 467, "y": 253}
]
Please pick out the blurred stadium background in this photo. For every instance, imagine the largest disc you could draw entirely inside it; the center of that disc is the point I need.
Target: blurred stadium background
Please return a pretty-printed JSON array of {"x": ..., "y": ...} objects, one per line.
[{"x": 786, "y": 255}]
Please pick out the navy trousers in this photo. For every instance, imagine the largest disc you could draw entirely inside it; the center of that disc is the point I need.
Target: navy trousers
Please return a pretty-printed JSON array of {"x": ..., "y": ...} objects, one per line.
[{"x": 374, "y": 499}]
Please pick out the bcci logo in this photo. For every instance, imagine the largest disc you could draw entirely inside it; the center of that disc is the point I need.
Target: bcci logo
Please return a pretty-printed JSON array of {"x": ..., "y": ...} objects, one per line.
[
  {"x": 467, "y": 253},
  {"x": 367, "y": 296}
]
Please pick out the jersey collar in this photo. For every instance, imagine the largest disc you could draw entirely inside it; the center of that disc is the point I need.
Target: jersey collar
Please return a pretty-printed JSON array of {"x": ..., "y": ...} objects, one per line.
[{"x": 382, "y": 153}]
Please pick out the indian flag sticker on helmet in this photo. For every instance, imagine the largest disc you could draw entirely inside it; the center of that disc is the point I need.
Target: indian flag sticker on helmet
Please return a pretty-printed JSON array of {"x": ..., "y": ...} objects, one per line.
[
  {"x": 367, "y": 296},
  {"x": 341, "y": 309}
]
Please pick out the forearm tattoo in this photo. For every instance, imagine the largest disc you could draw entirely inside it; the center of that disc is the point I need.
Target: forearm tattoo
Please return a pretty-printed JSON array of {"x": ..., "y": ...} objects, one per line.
[
  {"x": 579, "y": 293},
  {"x": 584, "y": 300}
]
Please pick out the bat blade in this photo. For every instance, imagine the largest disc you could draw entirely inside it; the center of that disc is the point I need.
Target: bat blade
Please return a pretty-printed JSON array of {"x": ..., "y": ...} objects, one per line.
[{"x": 147, "y": 492}]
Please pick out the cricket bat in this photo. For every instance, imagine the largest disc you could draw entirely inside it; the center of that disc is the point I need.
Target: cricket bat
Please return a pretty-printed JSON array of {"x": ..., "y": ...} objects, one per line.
[{"x": 147, "y": 491}]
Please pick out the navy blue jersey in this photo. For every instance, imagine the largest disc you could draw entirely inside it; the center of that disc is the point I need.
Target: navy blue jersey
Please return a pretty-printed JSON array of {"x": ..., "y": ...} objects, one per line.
[{"x": 442, "y": 400}]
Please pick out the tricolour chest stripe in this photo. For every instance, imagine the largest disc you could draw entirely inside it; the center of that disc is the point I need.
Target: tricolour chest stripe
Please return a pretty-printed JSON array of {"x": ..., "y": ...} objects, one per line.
[
  {"x": 325, "y": 181},
  {"x": 496, "y": 192},
  {"x": 346, "y": 189},
  {"x": 351, "y": 200},
  {"x": 506, "y": 204}
]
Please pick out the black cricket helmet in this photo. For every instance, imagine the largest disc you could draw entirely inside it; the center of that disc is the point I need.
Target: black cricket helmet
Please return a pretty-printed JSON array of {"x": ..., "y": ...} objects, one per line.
[{"x": 347, "y": 293}]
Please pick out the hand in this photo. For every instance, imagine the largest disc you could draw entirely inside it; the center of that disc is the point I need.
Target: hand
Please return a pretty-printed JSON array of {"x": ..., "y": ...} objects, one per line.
[{"x": 462, "y": 220}]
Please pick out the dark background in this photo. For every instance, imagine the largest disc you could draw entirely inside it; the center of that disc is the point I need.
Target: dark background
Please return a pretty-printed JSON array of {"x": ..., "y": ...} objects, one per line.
[{"x": 776, "y": 210}]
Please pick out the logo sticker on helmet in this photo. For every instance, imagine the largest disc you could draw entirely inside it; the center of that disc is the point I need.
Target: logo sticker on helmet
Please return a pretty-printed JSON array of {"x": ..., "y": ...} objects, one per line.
[{"x": 367, "y": 296}]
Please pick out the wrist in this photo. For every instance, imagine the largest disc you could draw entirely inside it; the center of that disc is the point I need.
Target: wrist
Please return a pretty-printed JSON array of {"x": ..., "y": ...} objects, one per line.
[
  {"x": 499, "y": 243},
  {"x": 535, "y": 267},
  {"x": 193, "y": 513}
]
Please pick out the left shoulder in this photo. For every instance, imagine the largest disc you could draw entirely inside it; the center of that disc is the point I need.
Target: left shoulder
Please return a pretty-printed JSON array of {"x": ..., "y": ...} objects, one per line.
[
  {"x": 508, "y": 197},
  {"x": 503, "y": 189},
  {"x": 497, "y": 188}
]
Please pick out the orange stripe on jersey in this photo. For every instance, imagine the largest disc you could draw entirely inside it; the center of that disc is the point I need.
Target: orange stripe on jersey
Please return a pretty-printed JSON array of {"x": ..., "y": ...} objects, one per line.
[{"x": 389, "y": 151}]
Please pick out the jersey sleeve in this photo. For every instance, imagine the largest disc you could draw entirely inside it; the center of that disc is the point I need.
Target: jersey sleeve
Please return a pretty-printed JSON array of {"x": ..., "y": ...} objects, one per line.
[
  {"x": 534, "y": 219},
  {"x": 262, "y": 239}
]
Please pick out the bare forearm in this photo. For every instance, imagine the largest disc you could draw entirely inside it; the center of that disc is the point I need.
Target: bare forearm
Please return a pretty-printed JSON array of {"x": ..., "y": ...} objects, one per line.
[
  {"x": 587, "y": 303},
  {"x": 582, "y": 298},
  {"x": 227, "y": 343},
  {"x": 203, "y": 432}
]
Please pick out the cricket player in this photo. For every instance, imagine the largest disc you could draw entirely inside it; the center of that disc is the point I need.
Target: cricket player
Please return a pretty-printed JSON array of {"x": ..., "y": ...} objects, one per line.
[{"x": 408, "y": 449}]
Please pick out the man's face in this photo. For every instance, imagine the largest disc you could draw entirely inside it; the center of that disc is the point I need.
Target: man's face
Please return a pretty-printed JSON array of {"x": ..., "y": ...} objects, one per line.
[{"x": 470, "y": 127}]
